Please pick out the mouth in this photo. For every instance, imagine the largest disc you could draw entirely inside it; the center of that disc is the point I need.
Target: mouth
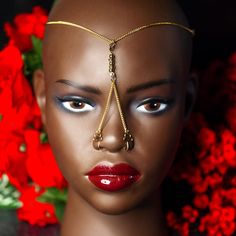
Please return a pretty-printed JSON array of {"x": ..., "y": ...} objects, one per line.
[{"x": 113, "y": 178}]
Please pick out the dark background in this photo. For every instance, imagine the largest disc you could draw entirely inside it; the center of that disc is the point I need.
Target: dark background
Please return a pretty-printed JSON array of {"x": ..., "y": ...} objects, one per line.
[{"x": 213, "y": 20}]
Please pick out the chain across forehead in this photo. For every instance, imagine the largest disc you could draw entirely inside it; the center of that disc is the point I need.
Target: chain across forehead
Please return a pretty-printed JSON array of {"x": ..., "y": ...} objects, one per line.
[
  {"x": 108, "y": 40},
  {"x": 127, "y": 137}
]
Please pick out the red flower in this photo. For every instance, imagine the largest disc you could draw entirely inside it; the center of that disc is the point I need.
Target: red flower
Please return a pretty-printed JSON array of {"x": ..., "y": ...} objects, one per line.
[
  {"x": 15, "y": 92},
  {"x": 227, "y": 214},
  {"x": 228, "y": 227},
  {"x": 189, "y": 213},
  {"x": 13, "y": 159},
  {"x": 230, "y": 196},
  {"x": 200, "y": 187},
  {"x": 216, "y": 201},
  {"x": 230, "y": 155},
  {"x": 206, "y": 138},
  {"x": 214, "y": 180},
  {"x": 227, "y": 136},
  {"x": 183, "y": 229},
  {"x": 207, "y": 164},
  {"x": 33, "y": 211},
  {"x": 201, "y": 201},
  {"x": 233, "y": 181},
  {"x": 41, "y": 164},
  {"x": 10, "y": 64},
  {"x": 25, "y": 26},
  {"x": 171, "y": 219}
]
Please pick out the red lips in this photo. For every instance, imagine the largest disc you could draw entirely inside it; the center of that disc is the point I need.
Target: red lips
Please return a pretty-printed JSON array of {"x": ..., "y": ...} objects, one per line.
[{"x": 113, "y": 178}]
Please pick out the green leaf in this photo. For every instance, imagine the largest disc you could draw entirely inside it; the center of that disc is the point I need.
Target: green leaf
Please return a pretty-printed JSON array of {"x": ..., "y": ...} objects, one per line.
[
  {"x": 8, "y": 194},
  {"x": 60, "y": 209},
  {"x": 37, "y": 45},
  {"x": 33, "y": 58},
  {"x": 43, "y": 137},
  {"x": 54, "y": 195}
]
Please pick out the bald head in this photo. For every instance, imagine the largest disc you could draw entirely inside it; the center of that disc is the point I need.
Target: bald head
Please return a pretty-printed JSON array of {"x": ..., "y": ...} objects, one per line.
[{"x": 114, "y": 17}]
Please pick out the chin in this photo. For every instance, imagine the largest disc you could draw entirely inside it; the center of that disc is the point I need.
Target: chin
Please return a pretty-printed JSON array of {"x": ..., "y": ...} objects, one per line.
[{"x": 119, "y": 202}]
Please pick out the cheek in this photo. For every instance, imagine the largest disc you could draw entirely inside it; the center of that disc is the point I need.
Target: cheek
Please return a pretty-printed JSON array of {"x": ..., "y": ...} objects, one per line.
[
  {"x": 69, "y": 136},
  {"x": 158, "y": 143}
]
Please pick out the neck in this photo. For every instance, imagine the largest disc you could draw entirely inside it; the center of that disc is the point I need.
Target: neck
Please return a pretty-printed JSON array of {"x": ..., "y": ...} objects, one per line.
[{"x": 82, "y": 219}]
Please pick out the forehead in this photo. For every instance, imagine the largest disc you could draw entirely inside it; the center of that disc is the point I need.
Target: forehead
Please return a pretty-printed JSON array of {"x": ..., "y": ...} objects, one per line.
[{"x": 68, "y": 49}]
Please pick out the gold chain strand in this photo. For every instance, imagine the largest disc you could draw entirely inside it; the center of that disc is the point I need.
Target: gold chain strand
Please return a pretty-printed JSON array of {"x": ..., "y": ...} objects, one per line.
[
  {"x": 106, "y": 108},
  {"x": 98, "y": 134},
  {"x": 127, "y": 137},
  {"x": 80, "y": 27},
  {"x": 155, "y": 24},
  {"x": 124, "y": 35},
  {"x": 119, "y": 107}
]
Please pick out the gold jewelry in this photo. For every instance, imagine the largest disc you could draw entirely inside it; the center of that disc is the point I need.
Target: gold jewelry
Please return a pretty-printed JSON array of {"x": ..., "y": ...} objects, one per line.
[
  {"x": 127, "y": 137},
  {"x": 96, "y": 145}
]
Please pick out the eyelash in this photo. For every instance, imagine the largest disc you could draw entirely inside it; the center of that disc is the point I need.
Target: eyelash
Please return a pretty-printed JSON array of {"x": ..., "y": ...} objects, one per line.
[
  {"x": 160, "y": 105},
  {"x": 67, "y": 102}
]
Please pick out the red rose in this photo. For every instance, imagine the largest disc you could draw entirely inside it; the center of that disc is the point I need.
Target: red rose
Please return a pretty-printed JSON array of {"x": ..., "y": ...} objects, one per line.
[
  {"x": 15, "y": 108},
  {"x": 201, "y": 201},
  {"x": 15, "y": 92},
  {"x": 10, "y": 64},
  {"x": 189, "y": 213},
  {"x": 13, "y": 158},
  {"x": 214, "y": 180},
  {"x": 41, "y": 164},
  {"x": 227, "y": 214},
  {"x": 207, "y": 164},
  {"x": 228, "y": 227},
  {"x": 230, "y": 195},
  {"x": 25, "y": 26},
  {"x": 33, "y": 211},
  {"x": 171, "y": 219},
  {"x": 206, "y": 138},
  {"x": 227, "y": 137}
]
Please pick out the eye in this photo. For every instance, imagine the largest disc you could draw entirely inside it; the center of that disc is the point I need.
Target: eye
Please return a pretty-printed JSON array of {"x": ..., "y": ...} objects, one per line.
[
  {"x": 153, "y": 106},
  {"x": 76, "y": 104}
]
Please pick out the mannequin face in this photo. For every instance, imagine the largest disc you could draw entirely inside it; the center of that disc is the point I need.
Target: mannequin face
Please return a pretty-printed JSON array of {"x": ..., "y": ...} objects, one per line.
[{"x": 152, "y": 69}]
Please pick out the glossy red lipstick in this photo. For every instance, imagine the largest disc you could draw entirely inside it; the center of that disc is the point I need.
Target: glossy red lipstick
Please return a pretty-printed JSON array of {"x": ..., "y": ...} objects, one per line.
[{"x": 113, "y": 178}]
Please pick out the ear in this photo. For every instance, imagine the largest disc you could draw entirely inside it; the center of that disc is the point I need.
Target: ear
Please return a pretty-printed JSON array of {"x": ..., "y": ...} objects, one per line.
[
  {"x": 191, "y": 94},
  {"x": 39, "y": 90}
]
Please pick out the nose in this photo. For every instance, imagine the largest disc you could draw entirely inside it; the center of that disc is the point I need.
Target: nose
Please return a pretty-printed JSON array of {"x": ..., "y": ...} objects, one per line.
[{"x": 112, "y": 132}]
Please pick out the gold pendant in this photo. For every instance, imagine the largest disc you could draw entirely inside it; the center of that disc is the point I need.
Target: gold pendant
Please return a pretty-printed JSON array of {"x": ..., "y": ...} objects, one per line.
[{"x": 129, "y": 140}]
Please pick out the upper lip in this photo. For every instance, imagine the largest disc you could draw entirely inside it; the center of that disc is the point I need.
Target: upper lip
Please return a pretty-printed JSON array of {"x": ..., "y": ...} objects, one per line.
[{"x": 118, "y": 169}]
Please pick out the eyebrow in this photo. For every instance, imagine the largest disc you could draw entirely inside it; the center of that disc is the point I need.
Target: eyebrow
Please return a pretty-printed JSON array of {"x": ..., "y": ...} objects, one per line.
[
  {"x": 76, "y": 85},
  {"x": 149, "y": 84},
  {"x": 132, "y": 89}
]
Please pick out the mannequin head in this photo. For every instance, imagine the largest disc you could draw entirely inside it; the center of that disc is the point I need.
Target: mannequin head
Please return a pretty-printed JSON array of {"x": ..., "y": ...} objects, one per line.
[{"x": 155, "y": 112}]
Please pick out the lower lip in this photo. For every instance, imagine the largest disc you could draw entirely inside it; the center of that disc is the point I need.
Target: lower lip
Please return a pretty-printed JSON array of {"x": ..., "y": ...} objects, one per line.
[{"x": 114, "y": 178}]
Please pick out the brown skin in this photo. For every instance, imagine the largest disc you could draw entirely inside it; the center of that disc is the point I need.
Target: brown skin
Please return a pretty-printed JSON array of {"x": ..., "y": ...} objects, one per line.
[{"x": 149, "y": 55}]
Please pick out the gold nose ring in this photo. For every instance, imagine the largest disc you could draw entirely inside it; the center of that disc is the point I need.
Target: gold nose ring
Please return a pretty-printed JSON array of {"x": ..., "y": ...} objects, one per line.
[{"x": 96, "y": 145}]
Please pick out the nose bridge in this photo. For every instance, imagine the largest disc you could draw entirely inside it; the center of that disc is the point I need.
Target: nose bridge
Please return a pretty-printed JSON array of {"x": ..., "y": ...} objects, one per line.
[
  {"x": 109, "y": 133},
  {"x": 113, "y": 130},
  {"x": 113, "y": 125}
]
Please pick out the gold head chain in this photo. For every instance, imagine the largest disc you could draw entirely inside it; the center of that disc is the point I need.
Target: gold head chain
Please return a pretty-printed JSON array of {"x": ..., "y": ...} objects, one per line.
[{"x": 127, "y": 137}]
